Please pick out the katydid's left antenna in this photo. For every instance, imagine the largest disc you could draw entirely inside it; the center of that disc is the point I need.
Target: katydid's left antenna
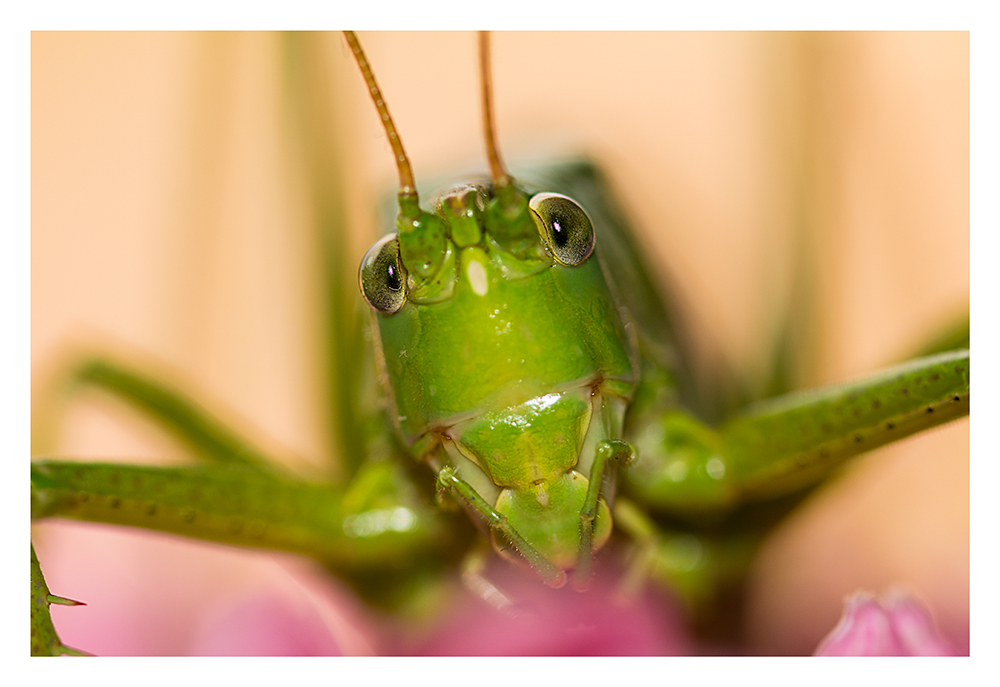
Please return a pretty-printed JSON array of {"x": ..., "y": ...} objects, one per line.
[
  {"x": 500, "y": 176},
  {"x": 409, "y": 203}
]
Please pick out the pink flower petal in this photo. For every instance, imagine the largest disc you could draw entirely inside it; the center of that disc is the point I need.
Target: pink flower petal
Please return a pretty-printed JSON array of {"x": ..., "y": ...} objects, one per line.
[
  {"x": 915, "y": 628},
  {"x": 899, "y": 625},
  {"x": 560, "y": 622},
  {"x": 264, "y": 625}
]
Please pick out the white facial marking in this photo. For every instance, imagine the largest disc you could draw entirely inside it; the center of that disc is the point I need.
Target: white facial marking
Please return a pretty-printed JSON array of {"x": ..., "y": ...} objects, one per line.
[{"x": 476, "y": 274}]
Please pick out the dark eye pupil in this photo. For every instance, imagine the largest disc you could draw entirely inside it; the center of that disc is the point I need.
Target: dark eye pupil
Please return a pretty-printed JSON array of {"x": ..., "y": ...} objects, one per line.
[
  {"x": 561, "y": 237},
  {"x": 392, "y": 279}
]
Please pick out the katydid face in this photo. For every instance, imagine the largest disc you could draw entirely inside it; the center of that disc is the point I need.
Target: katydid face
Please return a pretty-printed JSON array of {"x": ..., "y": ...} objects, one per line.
[{"x": 523, "y": 427}]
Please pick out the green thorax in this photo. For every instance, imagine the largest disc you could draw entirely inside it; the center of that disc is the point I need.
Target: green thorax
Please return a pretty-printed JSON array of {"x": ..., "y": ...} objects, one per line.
[{"x": 491, "y": 318}]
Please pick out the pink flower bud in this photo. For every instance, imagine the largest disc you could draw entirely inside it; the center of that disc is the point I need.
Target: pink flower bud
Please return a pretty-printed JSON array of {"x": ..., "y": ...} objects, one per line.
[{"x": 898, "y": 625}]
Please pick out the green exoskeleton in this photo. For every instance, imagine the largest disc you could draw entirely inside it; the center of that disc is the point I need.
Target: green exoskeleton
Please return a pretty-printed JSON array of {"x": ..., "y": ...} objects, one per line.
[
  {"x": 529, "y": 361},
  {"x": 506, "y": 356}
]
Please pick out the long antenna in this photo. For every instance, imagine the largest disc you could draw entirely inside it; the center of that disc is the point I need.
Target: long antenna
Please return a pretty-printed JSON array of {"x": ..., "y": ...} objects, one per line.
[
  {"x": 408, "y": 200},
  {"x": 500, "y": 176}
]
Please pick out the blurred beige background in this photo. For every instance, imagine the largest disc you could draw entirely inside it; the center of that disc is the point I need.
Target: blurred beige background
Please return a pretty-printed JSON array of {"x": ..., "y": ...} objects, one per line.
[{"x": 169, "y": 218}]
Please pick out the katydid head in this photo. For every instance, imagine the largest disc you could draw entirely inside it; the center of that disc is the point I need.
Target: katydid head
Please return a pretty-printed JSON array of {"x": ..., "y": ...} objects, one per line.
[
  {"x": 422, "y": 263},
  {"x": 527, "y": 232},
  {"x": 505, "y": 354}
]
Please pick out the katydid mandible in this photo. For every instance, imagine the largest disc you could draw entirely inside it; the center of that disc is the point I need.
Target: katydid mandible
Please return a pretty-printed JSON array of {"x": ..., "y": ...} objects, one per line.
[{"x": 446, "y": 436}]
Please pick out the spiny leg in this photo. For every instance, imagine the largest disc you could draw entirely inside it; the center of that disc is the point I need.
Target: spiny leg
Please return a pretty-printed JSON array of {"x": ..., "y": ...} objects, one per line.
[
  {"x": 611, "y": 449},
  {"x": 448, "y": 480},
  {"x": 244, "y": 507},
  {"x": 792, "y": 442},
  {"x": 237, "y": 495}
]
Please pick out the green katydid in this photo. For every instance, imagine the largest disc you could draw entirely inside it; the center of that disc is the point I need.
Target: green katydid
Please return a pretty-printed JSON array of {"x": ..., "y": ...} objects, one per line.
[{"x": 635, "y": 528}]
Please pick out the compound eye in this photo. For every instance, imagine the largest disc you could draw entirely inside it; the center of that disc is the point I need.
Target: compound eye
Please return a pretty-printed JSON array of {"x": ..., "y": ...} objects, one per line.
[
  {"x": 564, "y": 226},
  {"x": 383, "y": 281}
]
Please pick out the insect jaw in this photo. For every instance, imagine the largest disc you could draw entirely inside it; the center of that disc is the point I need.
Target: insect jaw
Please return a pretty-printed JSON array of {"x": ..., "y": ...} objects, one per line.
[{"x": 543, "y": 467}]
